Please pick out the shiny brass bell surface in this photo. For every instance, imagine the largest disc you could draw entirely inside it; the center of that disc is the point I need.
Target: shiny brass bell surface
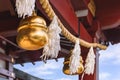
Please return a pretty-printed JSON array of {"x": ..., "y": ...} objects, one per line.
[
  {"x": 32, "y": 33},
  {"x": 66, "y": 68}
]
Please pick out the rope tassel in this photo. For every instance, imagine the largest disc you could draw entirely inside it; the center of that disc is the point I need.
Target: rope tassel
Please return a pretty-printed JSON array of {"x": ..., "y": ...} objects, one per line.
[
  {"x": 25, "y": 7},
  {"x": 53, "y": 47},
  {"x": 90, "y": 62},
  {"x": 75, "y": 58}
]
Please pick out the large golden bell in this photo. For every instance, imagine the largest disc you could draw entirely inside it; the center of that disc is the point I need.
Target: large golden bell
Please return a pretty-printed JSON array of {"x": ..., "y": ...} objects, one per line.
[
  {"x": 66, "y": 68},
  {"x": 32, "y": 33}
]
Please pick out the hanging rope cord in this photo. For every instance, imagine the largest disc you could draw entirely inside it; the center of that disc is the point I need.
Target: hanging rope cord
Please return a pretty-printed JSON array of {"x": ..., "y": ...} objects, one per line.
[{"x": 50, "y": 13}]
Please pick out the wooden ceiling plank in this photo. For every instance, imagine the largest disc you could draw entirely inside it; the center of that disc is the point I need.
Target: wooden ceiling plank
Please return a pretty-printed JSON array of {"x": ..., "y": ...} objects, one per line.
[
  {"x": 9, "y": 33},
  {"x": 5, "y": 5}
]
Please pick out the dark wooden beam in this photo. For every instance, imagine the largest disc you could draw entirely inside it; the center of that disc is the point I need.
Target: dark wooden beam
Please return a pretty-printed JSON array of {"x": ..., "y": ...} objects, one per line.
[
  {"x": 9, "y": 23},
  {"x": 7, "y": 73},
  {"x": 5, "y": 57},
  {"x": 32, "y": 56},
  {"x": 6, "y": 6},
  {"x": 10, "y": 42},
  {"x": 9, "y": 33},
  {"x": 112, "y": 35},
  {"x": 10, "y": 69},
  {"x": 25, "y": 76}
]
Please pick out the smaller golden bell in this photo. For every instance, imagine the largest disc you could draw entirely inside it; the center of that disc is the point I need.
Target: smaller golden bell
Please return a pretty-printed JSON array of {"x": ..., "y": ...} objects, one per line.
[
  {"x": 66, "y": 68},
  {"x": 32, "y": 33}
]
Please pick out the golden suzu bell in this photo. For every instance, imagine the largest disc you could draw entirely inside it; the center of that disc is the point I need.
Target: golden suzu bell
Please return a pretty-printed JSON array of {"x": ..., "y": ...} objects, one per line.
[
  {"x": 32, "y": 33},
  {"x": 66, "y": 68}
]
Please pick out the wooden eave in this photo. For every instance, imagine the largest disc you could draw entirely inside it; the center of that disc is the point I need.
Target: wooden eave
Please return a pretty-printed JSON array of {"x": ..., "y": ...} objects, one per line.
[{"x": 65, "y": 10}]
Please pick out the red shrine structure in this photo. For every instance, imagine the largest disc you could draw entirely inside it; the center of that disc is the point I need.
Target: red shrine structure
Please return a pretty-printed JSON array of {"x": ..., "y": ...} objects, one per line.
[{"x": 92, "y": 20}]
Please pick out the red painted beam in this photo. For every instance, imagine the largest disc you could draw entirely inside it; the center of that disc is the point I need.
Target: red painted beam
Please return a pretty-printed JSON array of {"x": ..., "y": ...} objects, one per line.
[
  {"x": 66, "y": 11},
  {"x": 109, "y": 12},
  {"x": 84, "y": 34}
]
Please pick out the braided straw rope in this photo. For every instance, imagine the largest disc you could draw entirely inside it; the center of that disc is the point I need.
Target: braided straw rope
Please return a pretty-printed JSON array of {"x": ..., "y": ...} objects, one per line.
[{"x": 50, "y": 13}]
